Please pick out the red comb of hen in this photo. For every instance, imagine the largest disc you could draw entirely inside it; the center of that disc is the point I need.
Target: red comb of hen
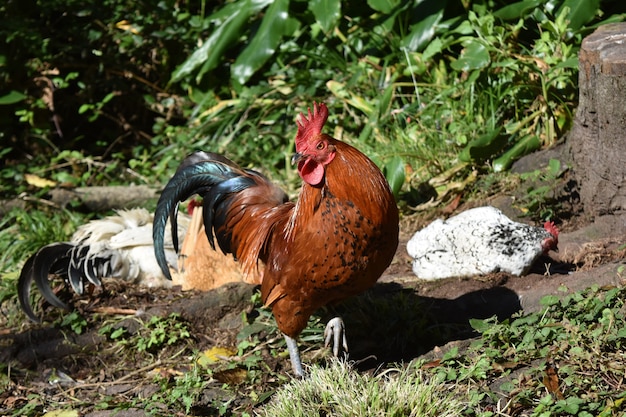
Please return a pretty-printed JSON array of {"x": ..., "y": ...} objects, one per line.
[
  {"x": 552, "y": 229},
  {"x": 311, "y": 126}
]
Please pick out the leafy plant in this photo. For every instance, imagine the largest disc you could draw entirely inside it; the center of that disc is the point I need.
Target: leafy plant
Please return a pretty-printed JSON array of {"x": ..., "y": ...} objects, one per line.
[
  {"x": 75, "y": 322},
  {"x": 154, "y": 334},
  {"x": 549, "y": 362},
  {"x": 539, "y": 197}
]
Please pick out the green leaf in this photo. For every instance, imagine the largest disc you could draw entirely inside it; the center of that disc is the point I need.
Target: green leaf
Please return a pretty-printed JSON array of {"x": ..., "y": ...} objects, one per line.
[
  {"x": 484, "y": 147},
  {"x": 395, "y": 174},
  {"x": 12, "y": 97},
  {"x": 423, "y": 31},
  {"x": 568, "y": 63},
  {"x": 474, "y": 56},
  {"x": 580, "y": 12},
  {"x": 383, "y": 6},
  {"x": 517, "y": 10},
  {"x": 523, "y": 147},
  {"x": 481, "y": 326},
  {"x": 265, "y": 41},
  {"x": 227, "y": 32},
  {"x": 549, "y": 300},
  {"x": 384, "y": 104},
  {"x": 326, "y": 12}
]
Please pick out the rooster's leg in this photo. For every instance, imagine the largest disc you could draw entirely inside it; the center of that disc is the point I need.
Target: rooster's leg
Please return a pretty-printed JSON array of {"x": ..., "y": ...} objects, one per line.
[
  {"x": 294, "y": 355},
  {"x": 336, "y": 331}
]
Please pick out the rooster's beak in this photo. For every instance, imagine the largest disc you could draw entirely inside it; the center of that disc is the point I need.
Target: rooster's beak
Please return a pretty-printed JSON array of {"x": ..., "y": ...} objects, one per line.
[{"x": 297, "y": 157}]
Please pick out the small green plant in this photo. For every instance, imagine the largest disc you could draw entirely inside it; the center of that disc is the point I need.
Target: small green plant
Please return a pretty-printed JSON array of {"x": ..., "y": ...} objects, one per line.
[
  {"x": 75, "y": 322},
  {"x": 162, "y": 331},
  {"x": 150, "y": 336},
  {"x": 182, "y": 390},
  {"x": 539, "y": 201}
]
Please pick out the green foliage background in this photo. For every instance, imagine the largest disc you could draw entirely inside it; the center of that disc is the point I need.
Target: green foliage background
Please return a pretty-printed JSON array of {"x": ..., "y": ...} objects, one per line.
[{"x": 100, "y": 93}]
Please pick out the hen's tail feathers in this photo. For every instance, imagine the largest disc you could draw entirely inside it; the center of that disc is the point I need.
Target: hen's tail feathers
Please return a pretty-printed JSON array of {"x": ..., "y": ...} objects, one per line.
[
  {"x": 213, "y": 177},
  {"x": 67, "y": 260},
  {"x": 53, "y": 258}
]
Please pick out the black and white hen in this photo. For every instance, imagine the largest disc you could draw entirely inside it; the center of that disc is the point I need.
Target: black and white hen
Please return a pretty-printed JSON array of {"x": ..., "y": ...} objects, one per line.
[
  {"x": 118, "y": 246},
  {"x": 478, "y": 241}
]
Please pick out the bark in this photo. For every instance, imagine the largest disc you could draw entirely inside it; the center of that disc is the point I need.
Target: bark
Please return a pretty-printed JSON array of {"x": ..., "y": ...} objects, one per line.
[{"x": 597, "y": 142}]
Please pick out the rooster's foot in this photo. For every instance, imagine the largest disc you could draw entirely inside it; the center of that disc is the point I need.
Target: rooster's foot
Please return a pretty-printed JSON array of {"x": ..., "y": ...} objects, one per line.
[{"x": 336, "y": 332}]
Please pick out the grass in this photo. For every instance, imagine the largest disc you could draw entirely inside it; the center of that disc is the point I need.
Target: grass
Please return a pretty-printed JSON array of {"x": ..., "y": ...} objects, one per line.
[{"x": 338, "y": 390}]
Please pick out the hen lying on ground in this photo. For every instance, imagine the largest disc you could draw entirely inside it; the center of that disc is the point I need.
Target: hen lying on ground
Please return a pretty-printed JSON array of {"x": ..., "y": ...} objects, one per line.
[
  {"x": 118, "y": 246},
  {"x": 121, "y": 246},
  {"x": 478, "y": 241}
]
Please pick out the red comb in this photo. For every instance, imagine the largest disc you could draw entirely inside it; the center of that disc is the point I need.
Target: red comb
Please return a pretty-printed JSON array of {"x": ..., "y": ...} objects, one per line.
[
  {"x": 552, "y": 229},
  {"x": 311, "y": 126}
]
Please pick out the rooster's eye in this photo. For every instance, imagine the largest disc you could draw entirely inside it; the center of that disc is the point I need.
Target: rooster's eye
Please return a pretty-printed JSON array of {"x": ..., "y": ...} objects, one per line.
[{"x": 320, "y": 146}]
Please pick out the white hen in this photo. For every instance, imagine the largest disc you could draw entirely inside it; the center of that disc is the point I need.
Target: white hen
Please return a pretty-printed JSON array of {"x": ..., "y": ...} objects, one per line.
[
  {"x": 126, "y": 241},
  {"x": 117, "y": 246},
  {"x": 478, "y": 241}
]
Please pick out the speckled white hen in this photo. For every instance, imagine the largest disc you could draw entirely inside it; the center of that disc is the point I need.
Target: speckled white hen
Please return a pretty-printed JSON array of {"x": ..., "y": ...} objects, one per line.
[
  {"x": 125, "y": 242},
  {"x": 476, "y": 242}
]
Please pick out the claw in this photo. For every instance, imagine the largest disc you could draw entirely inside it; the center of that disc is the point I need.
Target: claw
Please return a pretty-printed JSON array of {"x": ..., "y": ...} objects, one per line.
[{"x": 336, "y": 331}]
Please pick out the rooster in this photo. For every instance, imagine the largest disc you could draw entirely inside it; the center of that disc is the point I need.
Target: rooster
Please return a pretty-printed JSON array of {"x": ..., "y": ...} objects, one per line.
[
  {"x": 335, "y": 241},
  {"x": 478, "y": 241}
]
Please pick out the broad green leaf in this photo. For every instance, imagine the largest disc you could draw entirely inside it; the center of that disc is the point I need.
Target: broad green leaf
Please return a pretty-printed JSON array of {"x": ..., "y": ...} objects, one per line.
[
  {"x": 517, "y": 10},
  {"x": 523, "y": 147},
  {"x": 569, "y": 63},
  {"x": 483, "y": 147},
  {"x": 433, "y": 48},
  {"x": 326, "y": 12},
  {"x": 383, "y": 6},
  {"x": 424, "y": 30},
  {"x": 479, "y": 325},
  {"x": 395, "y": 174},
  {"x": 474, "y": 56},
  {"x": 580, "y": 12},
  {"x": 264, "y": 43},
  {"x": 12, "y": 97},
  {"x": 384, "y": 103},
  {"x": 549, "y": 300},
  {"x": 226, "y": 33}
]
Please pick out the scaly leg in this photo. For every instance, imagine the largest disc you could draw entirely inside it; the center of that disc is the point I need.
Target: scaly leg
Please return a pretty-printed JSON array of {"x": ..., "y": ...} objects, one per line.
[
  {"x": 294, "y": 355},
  {"x": 336, "y": 331}
]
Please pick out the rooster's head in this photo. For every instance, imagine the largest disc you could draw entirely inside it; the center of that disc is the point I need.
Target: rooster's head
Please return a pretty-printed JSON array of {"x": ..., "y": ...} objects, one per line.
[
  {"x": 314, "y": 150},
  {"x": 551, "y": 242}
]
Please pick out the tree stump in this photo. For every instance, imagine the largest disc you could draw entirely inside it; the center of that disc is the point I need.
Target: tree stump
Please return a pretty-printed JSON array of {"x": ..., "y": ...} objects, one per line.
[{"x": 597, "y": 142}]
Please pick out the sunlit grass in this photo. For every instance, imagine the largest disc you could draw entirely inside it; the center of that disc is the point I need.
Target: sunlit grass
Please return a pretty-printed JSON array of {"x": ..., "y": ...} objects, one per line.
[{"x": 338, "y": 390}]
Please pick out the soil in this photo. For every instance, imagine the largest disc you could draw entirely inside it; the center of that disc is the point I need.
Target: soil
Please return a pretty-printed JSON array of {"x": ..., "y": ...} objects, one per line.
[{"x": 398, "y": 320}]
